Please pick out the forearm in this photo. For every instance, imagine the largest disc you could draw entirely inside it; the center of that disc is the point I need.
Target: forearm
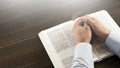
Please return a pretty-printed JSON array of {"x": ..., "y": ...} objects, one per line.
[
  {"x": 113, "y": 42},
  {"x": 83, "y": 56}
]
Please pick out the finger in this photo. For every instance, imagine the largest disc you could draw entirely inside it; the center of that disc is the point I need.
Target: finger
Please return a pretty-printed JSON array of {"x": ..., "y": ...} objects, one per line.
[
  {"x": 86, "y": 26},
  {"x": 84, "y": 18},
  {"x": 91, "y": 21},
  {"x": 91, "y": 17},
  {"x": 78, "y": 23},
  {"x": 77, "y": 19},
  {"x": 81, "y": 23}
]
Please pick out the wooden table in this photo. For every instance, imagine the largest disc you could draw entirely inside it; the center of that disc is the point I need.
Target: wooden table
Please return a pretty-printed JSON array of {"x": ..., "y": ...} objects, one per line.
[{"x": 22, "y": 20}]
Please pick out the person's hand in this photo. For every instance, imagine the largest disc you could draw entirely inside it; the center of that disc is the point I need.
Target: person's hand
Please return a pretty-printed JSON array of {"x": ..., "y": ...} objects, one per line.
[
  {"x": 99, "y": 30},
  {"x": 81, "y": 32}
]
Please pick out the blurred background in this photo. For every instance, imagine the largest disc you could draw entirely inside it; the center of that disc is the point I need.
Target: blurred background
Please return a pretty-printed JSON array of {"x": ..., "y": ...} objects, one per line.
[{"x": 22, "y": 20}]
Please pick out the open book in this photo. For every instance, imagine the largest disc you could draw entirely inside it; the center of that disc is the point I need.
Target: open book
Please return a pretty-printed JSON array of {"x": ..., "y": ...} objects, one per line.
[{"x": 59, "y": 42}]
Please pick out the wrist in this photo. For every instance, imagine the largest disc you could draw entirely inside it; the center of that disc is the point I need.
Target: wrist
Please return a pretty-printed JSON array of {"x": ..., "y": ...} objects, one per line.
[
  {"x": 106, "y": 35},
  {"x": 77, "y": 42}
]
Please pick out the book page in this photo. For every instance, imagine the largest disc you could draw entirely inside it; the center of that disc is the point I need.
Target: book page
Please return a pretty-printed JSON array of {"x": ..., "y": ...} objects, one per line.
[
  {"x": 100, "y": 49},
  {"x": 50, "y": 50},
  {"x": 63, "y": 43}
]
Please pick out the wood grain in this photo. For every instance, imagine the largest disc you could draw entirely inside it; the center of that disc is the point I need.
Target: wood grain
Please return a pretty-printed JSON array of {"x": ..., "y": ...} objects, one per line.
[{"x": 22, "y": 20}]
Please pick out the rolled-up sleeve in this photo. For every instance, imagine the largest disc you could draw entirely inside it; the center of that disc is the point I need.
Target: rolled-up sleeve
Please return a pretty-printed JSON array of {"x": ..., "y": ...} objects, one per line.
[
  {"x": 113, "y": 42},
  {"x": 83, "y": 57}
]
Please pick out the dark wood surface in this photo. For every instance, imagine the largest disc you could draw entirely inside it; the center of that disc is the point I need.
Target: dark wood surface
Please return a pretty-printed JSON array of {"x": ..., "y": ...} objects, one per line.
[{"x": 22, "y": 20}]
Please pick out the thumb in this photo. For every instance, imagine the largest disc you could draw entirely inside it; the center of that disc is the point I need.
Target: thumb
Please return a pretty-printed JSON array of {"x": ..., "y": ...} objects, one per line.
[
  {"x": 90, "y": 20},
  {"x": 86, "y": 26}
]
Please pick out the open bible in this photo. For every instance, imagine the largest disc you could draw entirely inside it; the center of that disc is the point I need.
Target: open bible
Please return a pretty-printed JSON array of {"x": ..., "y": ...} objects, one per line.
[{"x": 59, "y": 42}]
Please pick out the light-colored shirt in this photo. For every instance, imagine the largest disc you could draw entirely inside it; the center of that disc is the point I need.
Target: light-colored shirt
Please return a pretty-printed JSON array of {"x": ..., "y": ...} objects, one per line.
[{"x": 83, "y": 57}]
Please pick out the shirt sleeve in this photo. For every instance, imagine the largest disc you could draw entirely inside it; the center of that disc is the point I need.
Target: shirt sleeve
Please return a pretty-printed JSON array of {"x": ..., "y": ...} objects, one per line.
[
  {"x": 83, "y": 57},
  {"x": 113, "y": 42}
]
